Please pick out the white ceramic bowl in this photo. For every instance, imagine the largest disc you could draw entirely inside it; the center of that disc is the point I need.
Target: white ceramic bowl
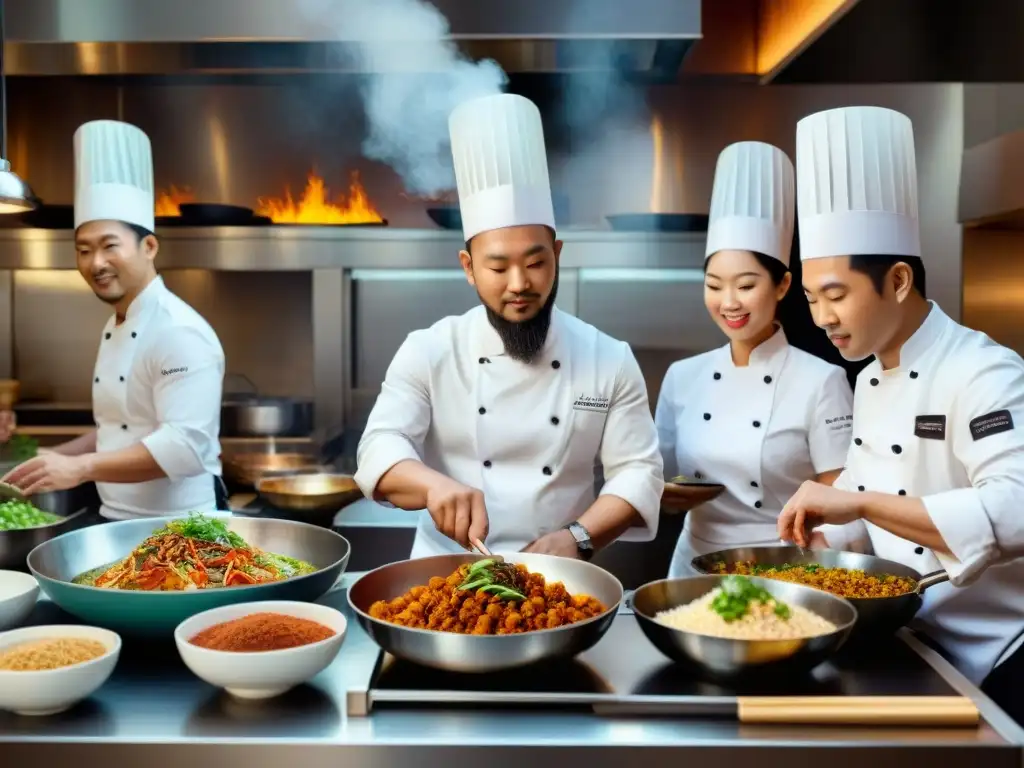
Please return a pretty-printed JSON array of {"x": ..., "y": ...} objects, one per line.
[
  {"x": 18, "y": 595},
  {"x": 50, "y": 691},
  {"x": 260, "y": 674}
]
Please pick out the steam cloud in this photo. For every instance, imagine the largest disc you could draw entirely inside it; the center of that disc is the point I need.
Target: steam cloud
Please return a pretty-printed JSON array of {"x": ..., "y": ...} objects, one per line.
[{"x": 414, "y": 78}]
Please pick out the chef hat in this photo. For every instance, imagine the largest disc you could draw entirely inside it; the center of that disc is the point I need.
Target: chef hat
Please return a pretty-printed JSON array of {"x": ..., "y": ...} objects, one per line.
[
  {"x": 856, "y": 184},
  {"x": 113, "y": 174},
  {"x": 501, "y": 166},
  {"x": 752, "y": 201}
]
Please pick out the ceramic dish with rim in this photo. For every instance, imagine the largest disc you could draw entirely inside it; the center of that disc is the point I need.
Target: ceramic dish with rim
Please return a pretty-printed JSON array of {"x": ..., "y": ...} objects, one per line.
[
  {"x": 18, "y": 595},
  {"x": 50, "y": 691},
  {"x": 260, "y": 674}
]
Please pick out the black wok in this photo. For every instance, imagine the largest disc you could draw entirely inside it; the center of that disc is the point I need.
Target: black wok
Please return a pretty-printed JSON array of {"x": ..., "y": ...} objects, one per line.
[{"x": 876, "y": 615}]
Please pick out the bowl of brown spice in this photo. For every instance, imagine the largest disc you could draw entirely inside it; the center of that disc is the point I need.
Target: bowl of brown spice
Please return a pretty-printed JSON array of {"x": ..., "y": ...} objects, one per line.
[
  {"x": 46, "y": 670},
  {"x": 262, "y": 649}
]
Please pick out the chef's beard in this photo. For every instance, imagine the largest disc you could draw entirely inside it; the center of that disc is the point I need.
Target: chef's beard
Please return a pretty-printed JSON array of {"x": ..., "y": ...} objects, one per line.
[{"x": 523, "y": 340}]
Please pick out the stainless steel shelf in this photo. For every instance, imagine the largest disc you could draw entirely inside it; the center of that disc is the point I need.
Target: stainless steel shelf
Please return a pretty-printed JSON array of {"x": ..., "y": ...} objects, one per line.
[{"x": 297, "y": 248}]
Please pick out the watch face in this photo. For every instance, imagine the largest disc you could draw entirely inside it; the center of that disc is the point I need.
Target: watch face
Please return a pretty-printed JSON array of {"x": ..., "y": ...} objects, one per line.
[{"x": 580, "y": 534}]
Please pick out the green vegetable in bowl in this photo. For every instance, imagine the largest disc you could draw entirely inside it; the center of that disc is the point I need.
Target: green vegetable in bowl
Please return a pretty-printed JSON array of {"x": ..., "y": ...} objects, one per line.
[
  {"x": 16, "y": 515},
  {"x": 682, "y": 480},
  {"x": 737, "y": 593}
]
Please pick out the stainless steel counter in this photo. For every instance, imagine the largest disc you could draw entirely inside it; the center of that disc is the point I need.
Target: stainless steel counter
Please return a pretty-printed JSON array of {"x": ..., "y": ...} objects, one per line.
[{"x": 153, "y": 712}]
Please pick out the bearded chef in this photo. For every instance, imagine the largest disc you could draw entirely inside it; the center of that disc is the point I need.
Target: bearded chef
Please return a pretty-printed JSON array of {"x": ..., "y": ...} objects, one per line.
[
  {"x": 160, "y": 368},
  {"x": 493, "y": 421},
  {"x": 935, "y": 475},
  {"x": 756, "y": 415}
]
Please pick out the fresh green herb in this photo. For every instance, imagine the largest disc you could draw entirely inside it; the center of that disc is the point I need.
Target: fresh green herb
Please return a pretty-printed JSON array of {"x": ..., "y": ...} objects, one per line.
[
  {"x": 488, "y": 575},
  {"x": 198, "y": 526},
  {"x": 19, "y": 448},
  {"x": 736, "y": 595},
  {"x": 15, "y": 515}
]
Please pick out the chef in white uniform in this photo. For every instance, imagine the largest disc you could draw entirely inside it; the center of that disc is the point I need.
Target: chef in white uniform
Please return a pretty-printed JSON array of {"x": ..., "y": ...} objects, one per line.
[
  {"x": 493, "y": 422},
  {"x": 160, "y": 368},
  {"x": 935, "y": 475},
  {"x": 755, "y": 415}
]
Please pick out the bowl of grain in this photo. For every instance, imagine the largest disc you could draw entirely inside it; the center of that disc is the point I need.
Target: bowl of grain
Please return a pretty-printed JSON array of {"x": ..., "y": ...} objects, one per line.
[
  {"x": 18, "y": 595},
  {"x": 46, "y": 670},
  {"x": 262, "y": 649},
  {"x": 730, "y": 626}
]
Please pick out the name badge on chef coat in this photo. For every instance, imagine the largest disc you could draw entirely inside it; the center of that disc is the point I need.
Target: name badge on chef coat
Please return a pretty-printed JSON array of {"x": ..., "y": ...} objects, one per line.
[
  {"x": 991, "y": 424},
  {"x": 595, "y": 404},
  {"x": 930, "y": 427}
]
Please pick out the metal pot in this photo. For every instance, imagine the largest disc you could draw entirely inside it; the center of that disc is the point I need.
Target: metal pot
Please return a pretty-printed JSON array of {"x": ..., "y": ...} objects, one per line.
[{"x": 256, "y": 416}]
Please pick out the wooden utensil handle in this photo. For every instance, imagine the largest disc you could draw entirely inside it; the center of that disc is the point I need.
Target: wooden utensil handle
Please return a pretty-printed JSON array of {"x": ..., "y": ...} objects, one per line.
[{"x": 859, "y": 710}]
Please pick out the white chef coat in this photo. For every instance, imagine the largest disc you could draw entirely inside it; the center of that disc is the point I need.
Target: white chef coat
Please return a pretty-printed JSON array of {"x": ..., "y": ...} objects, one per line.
[
  {"x": 760, "y": 430},
  {"x": 158, "y": 380},
  {"x": 947, "y": 426},
  {"x": 528, "y": 436}
]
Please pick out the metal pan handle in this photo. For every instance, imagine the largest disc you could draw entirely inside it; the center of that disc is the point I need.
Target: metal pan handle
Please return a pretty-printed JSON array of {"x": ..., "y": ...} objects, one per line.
[{"x": 930, "y": 580}]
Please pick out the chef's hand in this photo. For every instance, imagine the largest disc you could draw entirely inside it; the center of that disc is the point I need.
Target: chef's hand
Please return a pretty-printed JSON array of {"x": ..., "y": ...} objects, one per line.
[
  {"x": 812, "y": 505},
  {"x": 559, "y": 543},
  {"x": 458, "y": 511},
  {"x": 7, "y": 425},
  {"x": 47, "y": 472}
]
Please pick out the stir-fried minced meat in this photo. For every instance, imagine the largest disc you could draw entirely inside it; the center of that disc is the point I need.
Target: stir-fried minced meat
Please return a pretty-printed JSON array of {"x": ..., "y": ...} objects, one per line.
[
  {"x": 844, "y": 582},
  {"x": 442, "y": 606}
]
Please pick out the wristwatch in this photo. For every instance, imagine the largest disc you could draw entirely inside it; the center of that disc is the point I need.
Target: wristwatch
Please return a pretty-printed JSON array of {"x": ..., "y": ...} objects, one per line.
[{"x": 584, "y": 546}]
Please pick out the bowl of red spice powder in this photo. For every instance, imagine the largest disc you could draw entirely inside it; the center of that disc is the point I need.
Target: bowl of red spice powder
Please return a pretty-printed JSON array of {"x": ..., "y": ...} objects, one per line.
[{"x": 262, "y": 649}]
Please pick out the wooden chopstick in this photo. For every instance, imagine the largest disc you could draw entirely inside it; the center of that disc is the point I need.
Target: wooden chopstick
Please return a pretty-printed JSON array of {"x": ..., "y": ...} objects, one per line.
[{"x": 859, "y": 710}]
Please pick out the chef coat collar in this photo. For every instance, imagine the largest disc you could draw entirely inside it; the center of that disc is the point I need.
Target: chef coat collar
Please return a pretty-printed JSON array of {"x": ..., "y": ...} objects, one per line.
[
  {"x": 767, "y": 353},
  {"x": 149, "y": 297},
  {"x": 487, "y": 343},
  {"x": 919, "y": 343}
]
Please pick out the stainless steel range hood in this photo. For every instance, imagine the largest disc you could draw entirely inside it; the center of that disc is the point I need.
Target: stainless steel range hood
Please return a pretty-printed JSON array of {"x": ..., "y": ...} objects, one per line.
[
  {"x": 157, "y": 37},
  {"x": 991, "y": 192}
]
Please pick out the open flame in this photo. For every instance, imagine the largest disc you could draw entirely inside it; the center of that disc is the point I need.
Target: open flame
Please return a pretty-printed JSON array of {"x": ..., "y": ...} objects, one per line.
[
  {"x": 167, "y": 202},
  {"x": 315, "y": 207}
]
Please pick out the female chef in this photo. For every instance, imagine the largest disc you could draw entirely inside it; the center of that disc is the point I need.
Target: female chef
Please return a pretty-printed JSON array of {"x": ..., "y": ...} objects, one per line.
[{"x": 756, "y": 415}]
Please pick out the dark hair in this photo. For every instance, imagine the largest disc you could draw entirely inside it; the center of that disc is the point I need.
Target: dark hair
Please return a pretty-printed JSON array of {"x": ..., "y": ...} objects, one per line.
[
  {"x": 776, "y": 270},
  {"x": 141, "y": 233},
  {"x": 554, "y": 237},
  {"x": 876, "y": 267}
]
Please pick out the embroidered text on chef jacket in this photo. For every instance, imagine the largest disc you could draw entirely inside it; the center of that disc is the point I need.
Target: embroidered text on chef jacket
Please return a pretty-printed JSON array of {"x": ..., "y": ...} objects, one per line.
[
  {"x": 528, "y": 436},
  {"x": 158, "y": 380},
  {"x": 760, "y": 430},
  {"x": 947, "y": 426}
]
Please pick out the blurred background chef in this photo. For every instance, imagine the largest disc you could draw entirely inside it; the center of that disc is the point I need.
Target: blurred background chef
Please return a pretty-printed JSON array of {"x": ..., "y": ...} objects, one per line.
[
  {"x": 493, "y": 421},
  {"x": 757, "y": 415},
  {"x": 160, "y": 368},
  {"x": 935, "y": 475}
]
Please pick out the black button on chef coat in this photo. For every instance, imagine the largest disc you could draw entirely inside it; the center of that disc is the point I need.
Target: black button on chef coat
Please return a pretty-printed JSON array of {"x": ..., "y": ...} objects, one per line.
[
  {"x": 482, "y": 411},
  {"x": 757, "y": 505},
  {"x": 860, "y": 487},
  {"x": 753, "y": 483},
  {"x": 717, "y": 375},
  {"x": 767, "y": 379},
  {"x": 546, "y": 470},
  {"x": 124, "y": 426},
  {"x": 857, "y": 441},
  {"x": 120, "y": 378},
  {"x": 483, "y": 360},
  {"x": 901, "y": 492},
  {"x": 134, "y": 334},
  {"x": 97, "y": 380},
  {"x": 555, "y": 364},
  {"x": 707, "y": 417},
  {"x": 106, "y": 335},
  {"x": 874, "y": 382},
  {"x": 487, "y": 462},
  {"x": 919, "y": 550},
  {"x": 757, "y": 424},
  {"x": 554, "y": 420},
  {"x": 913, "y": 374},
  {"x": 897, "y": 449}
]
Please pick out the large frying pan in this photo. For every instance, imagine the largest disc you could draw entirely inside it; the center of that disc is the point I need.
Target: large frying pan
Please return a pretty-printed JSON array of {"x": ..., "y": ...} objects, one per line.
[{"x": 876, "y": 615}]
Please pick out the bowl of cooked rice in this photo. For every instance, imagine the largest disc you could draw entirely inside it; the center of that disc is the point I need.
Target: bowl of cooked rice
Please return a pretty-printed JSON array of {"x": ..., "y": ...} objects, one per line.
[
  {"x": 733, "y": 625},
  {"x": 47, "y": 670}
]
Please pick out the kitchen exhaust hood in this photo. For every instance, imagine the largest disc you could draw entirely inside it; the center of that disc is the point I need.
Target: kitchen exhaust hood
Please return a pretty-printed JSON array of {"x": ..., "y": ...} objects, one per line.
[
  {"x": 271, "y": 37},
  {"x": 991, "y": 192}
]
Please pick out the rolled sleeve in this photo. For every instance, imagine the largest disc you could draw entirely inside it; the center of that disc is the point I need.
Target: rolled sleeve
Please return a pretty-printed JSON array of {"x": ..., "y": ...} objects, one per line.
[
  {"x": 665, "y": 416},
  {"x": 984, "y": 523},
  {"x": 831, "y": 428},
  {"x": 187, "y": 372},
  {"x": 400, "y": 418},
  {"x": 630, "y": 455}
]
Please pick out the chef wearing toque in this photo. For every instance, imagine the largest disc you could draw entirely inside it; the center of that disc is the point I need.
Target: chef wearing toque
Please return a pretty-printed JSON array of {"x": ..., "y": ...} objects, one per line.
[
  {"x": 159, "y": 372},
  {"x": 935, "y": 476},
  {"x": 756, "y": 415},
  {"x": 494, "y": 422}
]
